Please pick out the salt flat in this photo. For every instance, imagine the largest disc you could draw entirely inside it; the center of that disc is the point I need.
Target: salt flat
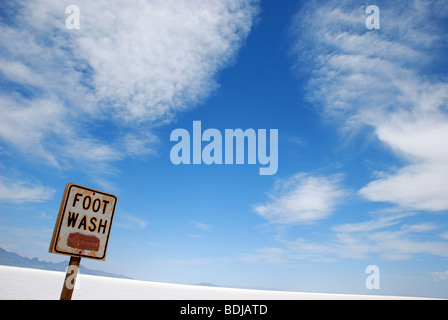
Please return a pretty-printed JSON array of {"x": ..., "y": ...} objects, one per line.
[{"x": 25, "y": 284}]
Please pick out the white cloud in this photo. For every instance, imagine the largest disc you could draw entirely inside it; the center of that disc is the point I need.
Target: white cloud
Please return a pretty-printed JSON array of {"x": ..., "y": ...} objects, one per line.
[
  {"x": 423, "y": 184},
  {"x": 302, "y": 199},
  {"x": 381, "y": 235},
  {"x": 152, "y": 58},
  {"x": 399, "y": 245},
  {"x": 386, "y": 235},
  {"x": 18, "y": 72},
  {"x": 393, "y": 242},
  {"x": 268, "y": 255},
  {"x": 387, "y": 80},
  {"x": 440, "y": 276},
  {"x": 25, "y": 240},
  {"x": 381, "y": 222},
  {"x": 132, "y": 66},
  {"x": 201, "y": 225},
  {"x": 128, "y": 221},
  {"x": 139, "y": 144},
  {"x": 21, "y": 191}
]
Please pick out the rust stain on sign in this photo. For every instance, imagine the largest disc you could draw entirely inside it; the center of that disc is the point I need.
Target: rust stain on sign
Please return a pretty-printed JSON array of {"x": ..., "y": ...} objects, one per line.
[{"x": 81, "y": 241}]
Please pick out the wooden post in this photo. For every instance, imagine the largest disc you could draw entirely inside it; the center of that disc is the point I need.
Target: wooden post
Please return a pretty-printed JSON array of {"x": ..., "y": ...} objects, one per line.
[{"x": 70, "y": 278}]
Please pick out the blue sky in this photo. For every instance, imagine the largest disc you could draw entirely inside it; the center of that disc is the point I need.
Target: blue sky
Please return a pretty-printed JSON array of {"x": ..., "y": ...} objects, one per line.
[{"x": 363, "y": 132}]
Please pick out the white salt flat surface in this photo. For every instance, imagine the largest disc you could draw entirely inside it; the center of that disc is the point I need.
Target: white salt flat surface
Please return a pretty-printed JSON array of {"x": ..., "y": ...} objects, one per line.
[{"x": 24, "y": 284}]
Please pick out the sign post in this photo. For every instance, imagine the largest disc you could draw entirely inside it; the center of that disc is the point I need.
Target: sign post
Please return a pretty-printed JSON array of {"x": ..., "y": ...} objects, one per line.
[
  {"x": 82, "y": 229},
  {"x": 70, "y": 278}
]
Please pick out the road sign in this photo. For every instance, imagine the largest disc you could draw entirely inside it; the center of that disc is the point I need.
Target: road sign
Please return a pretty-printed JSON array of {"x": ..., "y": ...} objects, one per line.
[{"x": 84, "y": 221}]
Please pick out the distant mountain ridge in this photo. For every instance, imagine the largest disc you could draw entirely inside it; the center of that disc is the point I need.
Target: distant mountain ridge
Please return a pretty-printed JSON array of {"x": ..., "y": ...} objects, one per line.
[{"x": 13, "y": 259}]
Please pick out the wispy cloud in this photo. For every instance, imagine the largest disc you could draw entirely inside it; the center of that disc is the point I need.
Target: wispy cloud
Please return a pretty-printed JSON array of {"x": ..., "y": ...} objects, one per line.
[
  {"x": 200, "y": 228},
  {"x": 387, "y": 235},
  {"x": 29, "y": 239},
  {"x": 21, "y": 191},
  {"x": 85, "y": 95},
  {"x": 267, "y": 255},
  {"x": 302, "y": 199},
  {"x": 201, "y": 225},
  {"x": 388, "y": 80},
  {"x": 128, "y": 221},
  {"x": 440, "y": 276},
  {"x": 381, "y": 236},
  {"x": 382, "y": 221}
]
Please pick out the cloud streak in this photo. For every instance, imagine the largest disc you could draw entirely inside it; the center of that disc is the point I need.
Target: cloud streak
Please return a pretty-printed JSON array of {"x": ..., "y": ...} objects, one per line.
[
  {"x": 440, "y": 276},
  {"x": 381, "y": 235},
  {"x": 302, "y": 199},
  {"x": 19, "y": 191},
  {"x": 387, "y": 80}
]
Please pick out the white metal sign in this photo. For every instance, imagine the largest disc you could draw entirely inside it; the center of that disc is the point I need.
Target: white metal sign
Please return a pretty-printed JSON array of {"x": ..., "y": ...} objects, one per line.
[{"x": 84, "y": 222}]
